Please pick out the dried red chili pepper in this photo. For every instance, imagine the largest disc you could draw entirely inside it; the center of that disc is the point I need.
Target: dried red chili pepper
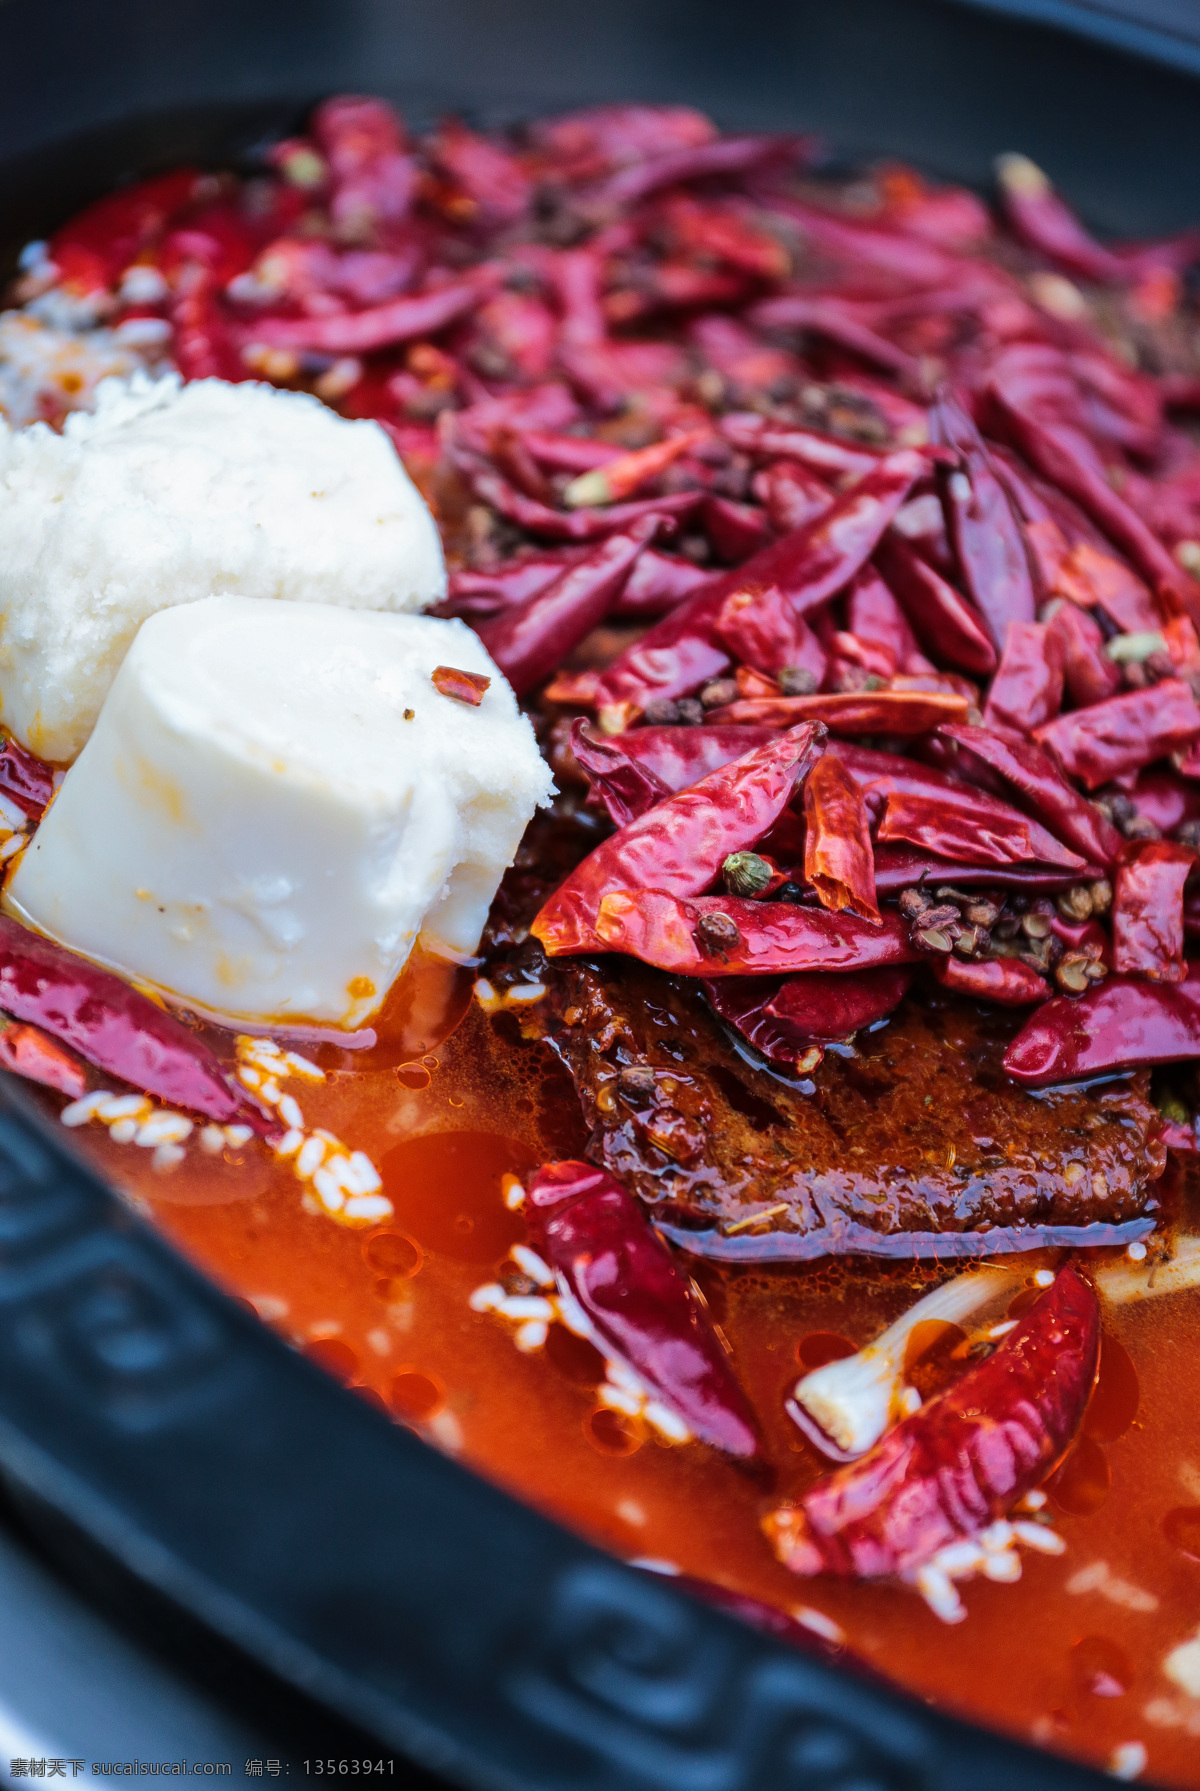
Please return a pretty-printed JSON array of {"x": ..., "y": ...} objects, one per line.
[
  {"x": 760, "y": 628},
  {"x": 942, "y": 620},
  {"x": 464, "y": 687},
  {"x": 1043, "y": 220},
  {"x": 679, "y": 756},
  {"x": 735, "y": 531},
  {"x": 357, "y": 332},
  {"x": 1122, "y": 1023},
  {"x": 731, "y": 936},
  {"x": 1108, "y": 739},
  {"x": 620, "y": 478},
  {"x": 784, "y": 1018},
  {"x": 852, "y": 712},
  {"x": 964, "y": 1459},
  {"x": 984, "y": 530},
  {"x": 642, "y": 1307},
  {"x": 493, "y": 182},
  {"x": 1026, "y": 691},
  {"x": 120, "y": 1031},
  {"x": 1090, "y": 575},
  {"x": 899, "y": 867},
  {"x": 1088, "y": 674},
  {"x": 790, "y": 495},
  {"x": 827, "y": 455},
  {"x": 682, "y": 652},
  {"x": 28, "y": 1052},
  {"x": 1033, "y": 774},
  {"x": 1005, "y": 980},
  {"x": 25, "y": 779},
  {"x": 875, "y": 618},
  {"x": 1147, "y": 914},
  {"x": 529, "y": 639},
  {"x": 569, "y": 453},
  {"x": 972, "y": 827},
  {"x": 837, "y": 321},
  {"x": 373, "y": 180},
  {"x": 626, "y": 788},
  {"x": 681, "y": 845},
  {"x": 731, "y": 155},
  {"x": 838, "y": 860}
]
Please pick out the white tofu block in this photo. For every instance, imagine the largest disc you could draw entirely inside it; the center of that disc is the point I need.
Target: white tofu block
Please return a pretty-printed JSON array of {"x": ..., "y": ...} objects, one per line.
[
  {"x": 276, "y": 801},
  {"x": 168, "y": 494}
]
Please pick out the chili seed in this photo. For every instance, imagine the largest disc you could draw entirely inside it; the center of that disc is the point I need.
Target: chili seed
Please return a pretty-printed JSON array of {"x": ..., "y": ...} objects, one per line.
[
  {"x": 1102, "y": 895},
  {"x": 717, "y": 932},
  {"x": 934, "y": 939},
  {"x": 797, "y": 680},
  {"x": 637, "y": 1081},
  {"x": 689, "y": 712},
  {"x": 746, "y": 874},
  {"x": 717, "y": 694},
  {"x": 1075, "y": 904},
  {"x": 1071, "y": 975},
  {"x": 981, "y": 913}
]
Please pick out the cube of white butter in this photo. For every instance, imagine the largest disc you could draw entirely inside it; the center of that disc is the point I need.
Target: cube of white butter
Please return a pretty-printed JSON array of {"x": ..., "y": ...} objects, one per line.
[
  {"x": 275, "y": 802},
  {"x": 168, "y": 494}
]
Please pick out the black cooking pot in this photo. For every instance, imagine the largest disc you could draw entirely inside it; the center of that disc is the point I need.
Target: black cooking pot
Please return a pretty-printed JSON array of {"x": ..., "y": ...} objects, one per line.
[{"x": 150, "y": 1428}]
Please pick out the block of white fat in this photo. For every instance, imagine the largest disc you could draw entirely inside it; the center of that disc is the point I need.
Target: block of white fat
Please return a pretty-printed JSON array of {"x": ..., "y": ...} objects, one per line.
[
  {"x": 276, "y": 801},
  {"x": 166, "y": 494}
]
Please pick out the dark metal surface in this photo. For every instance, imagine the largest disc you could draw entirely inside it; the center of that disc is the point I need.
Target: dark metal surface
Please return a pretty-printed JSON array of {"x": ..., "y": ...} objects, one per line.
[{"x": 147, "y": 1421}]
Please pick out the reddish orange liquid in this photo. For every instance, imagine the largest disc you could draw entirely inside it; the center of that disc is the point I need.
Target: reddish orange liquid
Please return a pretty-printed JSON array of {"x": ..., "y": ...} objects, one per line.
[{"x": 1071, "y": 1656}]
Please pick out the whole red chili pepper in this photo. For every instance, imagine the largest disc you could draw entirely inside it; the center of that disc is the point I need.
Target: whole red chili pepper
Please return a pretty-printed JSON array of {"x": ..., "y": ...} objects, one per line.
[
  {"x": 899, "y": 867},
  {"x": 25, "y": 779},
  {"x": 729, "y": 936},
  {"x": 657, "y": 583},
  {"x": 985, "y": 531},
  {"x": 641, "y": 1306},
  {"x": 1033, "y": 774},
  {"x": 1005, "y": 980},
  {"x": 620, "y": 478},
  {"x": 1027, "y": 689},
  {"x": 626, "y": 788},
  {"x": 682, "y": 652},
  {"x": 760, "y": 629},
  {"x": 512, "y": 458},
  {"x": 782, "y": 1018},
  {"x": 964, "y": 1459},
  {"x": 675, "y": 756},
  {"x": 943, "y": 621},
  {"x": 1108, "y": 739},
  {"x": 736, "y": 531},
  {"x": 357, "y": 332},
  {"x": 1122, "y": 1023},
  {"x": 1043, "y": 220},
  {"x": 730, "y": 155},
  {"x": 680, "y": 845},
  {"x": 835, "y": 320},
  {"x": 838, "y": 860},
  {"x": 116, "y": 1028},
  {"x": 790, "y": 495},
  {"x": 874, "y": 617},
  {"x": 1147, "y": 915},
  {"x": 827, "y": 455},
  {"x": 972, "y": 827},
  {"x": 851, "y": 712},
  {"x": 530, "y": 638},
  {"x": 1088, "y": 674}
]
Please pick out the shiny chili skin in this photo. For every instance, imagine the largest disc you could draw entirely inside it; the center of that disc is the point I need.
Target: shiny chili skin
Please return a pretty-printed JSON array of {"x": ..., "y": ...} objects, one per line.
[
  {"x": 1089, "y": 676},
  {"x": 736, "y": 531},
  {"x": 875, "y": 618},
  {"x": 680, "y": 846},
  {"x": 1147, "y": 915},
  {"x": 942, "y": 620},
  {"x": 970, "y": 826},
  {"x": 838, "y": 860},
  {"x": 1005, "y": 980},
  {"x": 25, "y": 779},
  {"x": 850, "y": 712},
  {"x": 358, "y": 332},
  {"x": 626, "y": 788},
  {"x": 1122, "y": 1023},
  {"x": 759, "y": 628},
  {"x": 900, "y": 867},
  {"x": 640, "y": 1304},
  {"x": 783, "y": 1017},
  {"x": 683, "y": 651},
  {"x": 1038, "y": 782},
  {"x": 587, "y": 524},
  {"x": 531, "y": 637},
  {"x": 964, "y": 1459},
  {"x": 826, "y": 455},
  {"x": 790, "y": 495},
  {"x": 984, "y": 529},
  {"x": 1104, "y": 741},
  {"x": 1027, "y": 689},
  {"x": 119, "y": 1030},
  {"x": 774, "y": 938},
  {"x": 840, "y": 323},
  {"x": 28, "y": 1052},
  {"x": 1042, "y": 219},
  {"x": 682, "y": 756}
]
